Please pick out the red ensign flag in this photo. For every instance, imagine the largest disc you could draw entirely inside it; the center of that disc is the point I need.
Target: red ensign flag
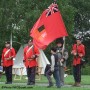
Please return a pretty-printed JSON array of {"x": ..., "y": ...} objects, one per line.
[{"x": 48, "y": 27}]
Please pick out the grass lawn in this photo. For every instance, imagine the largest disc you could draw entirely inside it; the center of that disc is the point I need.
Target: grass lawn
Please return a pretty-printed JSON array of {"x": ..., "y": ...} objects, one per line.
[{"x": 68, "y": 80}]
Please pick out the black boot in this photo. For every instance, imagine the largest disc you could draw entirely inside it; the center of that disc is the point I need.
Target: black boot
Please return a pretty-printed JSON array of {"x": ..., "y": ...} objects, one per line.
[
  {"x": 32, "y": 83},
  {"x": 50, "y": 85},
  {"x": 28, "y": 83},
  {"x": 8, "y": 83}
]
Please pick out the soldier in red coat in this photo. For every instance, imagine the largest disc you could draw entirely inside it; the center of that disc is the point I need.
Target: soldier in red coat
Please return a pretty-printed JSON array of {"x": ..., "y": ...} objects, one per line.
[
  {"x": 78, "y": 51},
  {"x": 8, "y": 55},
  {"x": 30, "y": 55}
]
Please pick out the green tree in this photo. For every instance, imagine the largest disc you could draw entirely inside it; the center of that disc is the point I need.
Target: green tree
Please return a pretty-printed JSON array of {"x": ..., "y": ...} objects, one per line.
[{"x": 19, "y": 16}]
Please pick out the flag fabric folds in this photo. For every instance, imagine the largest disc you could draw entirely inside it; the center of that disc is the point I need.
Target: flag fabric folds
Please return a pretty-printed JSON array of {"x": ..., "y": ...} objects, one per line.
[{"x": 48, "y": 27}]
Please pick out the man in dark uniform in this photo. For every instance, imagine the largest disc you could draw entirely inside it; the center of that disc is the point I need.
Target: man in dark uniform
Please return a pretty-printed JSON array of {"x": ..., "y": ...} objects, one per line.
[
  {"x": 30, "y": 55},
  {"x": 63, "y": 56},
  {"x": 78, "y": 51},
  {"x": 8, "y": 55}
]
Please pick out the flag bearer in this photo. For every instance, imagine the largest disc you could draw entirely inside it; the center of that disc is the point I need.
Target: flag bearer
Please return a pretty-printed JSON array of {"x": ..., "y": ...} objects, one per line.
[{"x": 63, "y": 56}]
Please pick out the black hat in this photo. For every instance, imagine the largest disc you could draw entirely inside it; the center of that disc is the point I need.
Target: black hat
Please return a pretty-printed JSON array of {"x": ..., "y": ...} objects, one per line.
[
  {"x": 59, "y": 40},
  {"x": 54, "y": 49},
  {"x": 7, "y": 42},
  {"x": 79, "y": 39}
]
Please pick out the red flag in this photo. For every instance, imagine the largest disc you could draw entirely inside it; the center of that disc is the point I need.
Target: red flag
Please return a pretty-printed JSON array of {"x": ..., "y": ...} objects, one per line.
[
  {"x": 39, "y": 44},
  {"x": 48, "y": 27}
]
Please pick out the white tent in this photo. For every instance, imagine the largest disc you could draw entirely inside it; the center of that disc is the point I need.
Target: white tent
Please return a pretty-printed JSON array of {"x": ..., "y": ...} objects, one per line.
[
  {"x": 18, "y": 62},
  {"x": 42, "y": 61}
]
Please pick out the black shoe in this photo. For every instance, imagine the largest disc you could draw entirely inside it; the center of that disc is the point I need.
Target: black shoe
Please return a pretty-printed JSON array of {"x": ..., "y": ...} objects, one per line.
[
  {"x": 32, "y": 83},
  {"x": 49, "y": 86},
  {"x": 8, "y": 83}
]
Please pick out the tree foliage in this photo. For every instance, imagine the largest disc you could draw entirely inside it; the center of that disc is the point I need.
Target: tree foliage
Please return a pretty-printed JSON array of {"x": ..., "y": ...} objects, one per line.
[{"x": 18, "y": 17}]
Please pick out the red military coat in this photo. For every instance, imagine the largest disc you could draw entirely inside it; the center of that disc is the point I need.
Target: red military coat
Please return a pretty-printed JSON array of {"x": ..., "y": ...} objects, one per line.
[
  {"x": 6, "y": 54},
  {"x": 81, "y": 52},
  {"x": 28, "y": 53}
]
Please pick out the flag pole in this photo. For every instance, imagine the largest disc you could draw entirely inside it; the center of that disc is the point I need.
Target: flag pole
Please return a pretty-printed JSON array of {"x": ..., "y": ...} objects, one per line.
[
  {"x": 55, "y": 1},
  {"x": 63, "y": 45},
  {"x": 63, "y": 48},
  {"x": 11, "y": 39}
]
